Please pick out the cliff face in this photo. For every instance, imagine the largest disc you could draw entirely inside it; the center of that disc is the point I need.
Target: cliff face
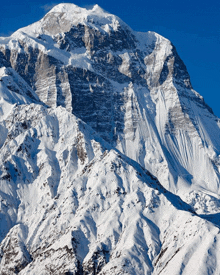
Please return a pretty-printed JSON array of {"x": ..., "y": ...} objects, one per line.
[{"x": 78, "y": 199}]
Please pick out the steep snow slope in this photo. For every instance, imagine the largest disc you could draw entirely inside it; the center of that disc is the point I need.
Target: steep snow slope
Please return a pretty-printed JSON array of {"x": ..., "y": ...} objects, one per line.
[
  {"x": 71, "y": 203},
  {"x": 132, "y": 88},
  {"x": 13, "y": 90}
]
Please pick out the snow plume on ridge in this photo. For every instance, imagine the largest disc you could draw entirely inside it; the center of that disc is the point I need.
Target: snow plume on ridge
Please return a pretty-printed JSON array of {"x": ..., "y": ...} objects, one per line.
[{"x": 48, "y": 7}]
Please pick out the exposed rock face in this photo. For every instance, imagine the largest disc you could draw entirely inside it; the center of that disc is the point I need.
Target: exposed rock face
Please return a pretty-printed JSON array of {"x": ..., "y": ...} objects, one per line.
[{"x": 79, "y": 200}]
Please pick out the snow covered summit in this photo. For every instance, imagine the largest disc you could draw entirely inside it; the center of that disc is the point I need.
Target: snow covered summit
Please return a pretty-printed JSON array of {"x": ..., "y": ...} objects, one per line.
[{"x": 63, "y": 17}]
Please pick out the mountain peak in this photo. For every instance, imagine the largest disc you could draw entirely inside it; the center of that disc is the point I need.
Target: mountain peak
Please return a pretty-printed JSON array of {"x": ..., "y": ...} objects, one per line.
[
  {"x": 91, "y": 114},
  {"x": 62, "y": 17},
  {"x": 72, "y": 8},
  {"x": 67, "y": 7},
  {"x": 97, "y": 8}
]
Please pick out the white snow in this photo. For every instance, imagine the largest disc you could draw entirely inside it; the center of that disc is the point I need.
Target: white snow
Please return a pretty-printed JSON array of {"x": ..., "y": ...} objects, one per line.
[{"x": 68, "y": 198}]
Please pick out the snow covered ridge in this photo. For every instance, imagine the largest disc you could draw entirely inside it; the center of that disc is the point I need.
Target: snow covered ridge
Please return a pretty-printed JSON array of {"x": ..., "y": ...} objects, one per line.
[
  {"x": 109, "y": 160},
  {"x": 71, "y": 203}
]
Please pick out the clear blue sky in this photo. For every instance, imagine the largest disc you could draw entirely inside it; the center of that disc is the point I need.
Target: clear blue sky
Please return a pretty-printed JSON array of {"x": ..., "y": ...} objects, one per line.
[{"x": 192, "y": 26}]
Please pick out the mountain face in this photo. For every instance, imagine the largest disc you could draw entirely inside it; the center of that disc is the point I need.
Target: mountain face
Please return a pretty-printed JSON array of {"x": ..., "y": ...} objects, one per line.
[
  {"x": 71, "y": 204},
  {"x": 109, "y": 159}
]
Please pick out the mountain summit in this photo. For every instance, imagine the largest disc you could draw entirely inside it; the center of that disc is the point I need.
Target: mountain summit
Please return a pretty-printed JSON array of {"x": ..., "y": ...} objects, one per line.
[
  {"x": 63, "y": 17},
  {"x": 109, "y": 159}
]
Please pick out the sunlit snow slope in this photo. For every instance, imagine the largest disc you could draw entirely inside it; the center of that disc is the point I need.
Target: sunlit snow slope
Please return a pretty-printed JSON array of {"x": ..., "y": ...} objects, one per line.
[
  {"x": 71, "y": 203},
  {"x": 91, "y": 115}
]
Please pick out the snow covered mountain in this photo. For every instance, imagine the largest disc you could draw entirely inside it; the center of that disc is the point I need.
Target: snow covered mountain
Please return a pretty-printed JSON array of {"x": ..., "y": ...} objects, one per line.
[
  {"x": 71, "y": 203},
  {"x": 91, "y": 115}
]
